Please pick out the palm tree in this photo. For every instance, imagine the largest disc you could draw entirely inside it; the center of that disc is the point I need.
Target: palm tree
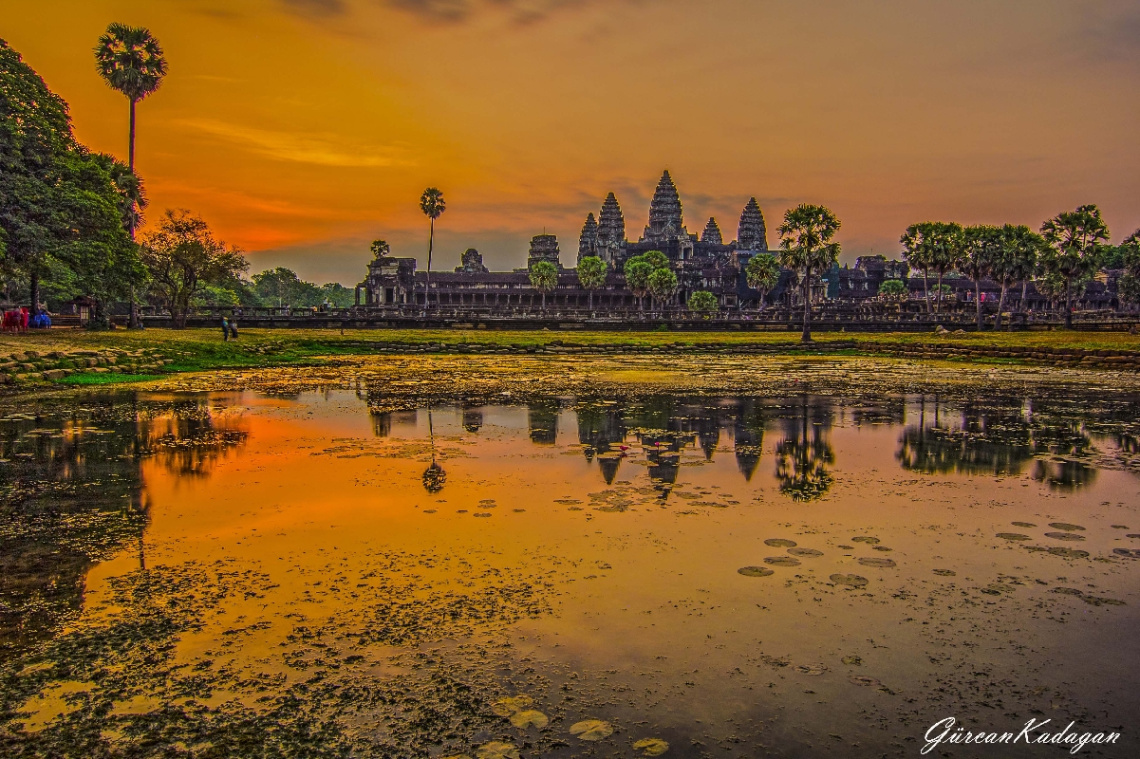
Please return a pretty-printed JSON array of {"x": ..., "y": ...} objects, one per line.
[
  {"x": 592, "y": 275},
  {"x": 433, "y": 205},
  {"x": 662, "y": 285},
  {"x": 806, "y": 247},
  {"x": 762, "y": 273},
  {"x": 544, "y": 278},
  {"x": 130, "y": 60},
  {"x": 637, "y": 271},
  {"x": 981, "y": 246},
  {"x": 1075, "y": 241},
  {"x": 945, "y": 252},
  {"x": 1015, "y": 262},
  {"x": 433, "y": 477},
  {"x": 916, "y": 251}
]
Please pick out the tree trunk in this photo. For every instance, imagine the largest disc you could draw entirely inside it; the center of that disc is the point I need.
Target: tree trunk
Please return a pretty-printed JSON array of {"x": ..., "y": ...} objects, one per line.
[
  {"x": 938, "y": 300},
  {"x": 1001, "y": 305},
  {"x": 131, "y": 146},
  {"x": 1068, "y": 304},
  {"x": 35, "y": 287},
  {"x": 591, "y": 301},
  {"x": 427, "y": 280},
  {"x": 543, "y": 293},
  {"x": 806, "y": 336},
  {"x": 1024, "y": 295},
  {"x": 133, "y": 320},
  {"x": 978, "y": 301},
  {"x": 926, "y": 288}
]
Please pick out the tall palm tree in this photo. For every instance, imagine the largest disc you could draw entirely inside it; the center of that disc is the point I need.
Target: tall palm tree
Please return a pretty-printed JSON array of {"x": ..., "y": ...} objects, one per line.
[
  {"x": 130, "y": 60},
  {"x": 433, "y": 205},
  {"x": 1020, "y": 247},
  {"x": 1076, "y": 240},
  {"x": 981, "y": 248},
  {"x": 806, "y": 247}
]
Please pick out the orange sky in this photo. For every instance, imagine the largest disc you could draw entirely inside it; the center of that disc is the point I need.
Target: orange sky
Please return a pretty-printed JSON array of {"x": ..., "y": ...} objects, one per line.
[{"x": 302, "y": 129}]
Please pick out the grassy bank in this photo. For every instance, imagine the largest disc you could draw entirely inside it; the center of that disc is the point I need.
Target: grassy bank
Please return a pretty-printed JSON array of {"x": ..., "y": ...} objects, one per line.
[{"x": 78, "y": 357}]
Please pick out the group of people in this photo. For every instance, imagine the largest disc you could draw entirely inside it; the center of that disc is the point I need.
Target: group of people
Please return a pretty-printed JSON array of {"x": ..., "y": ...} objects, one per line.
[
  {"x": 229, "y": 329},
  {"x": 21, "y": 319}
]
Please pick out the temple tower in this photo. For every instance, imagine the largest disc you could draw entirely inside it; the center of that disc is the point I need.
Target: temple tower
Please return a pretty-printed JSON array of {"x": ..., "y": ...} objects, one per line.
[
  {"x": 588, "y": 241},
  {"x": 471, "y": 262},
  {"x": 665, "y": 222},
  {"x": 753, "y": 234},
  {"x": 611, "y": 229},
  {"x": 543, "y": 248},
  {"x": 712, "y": 234}
]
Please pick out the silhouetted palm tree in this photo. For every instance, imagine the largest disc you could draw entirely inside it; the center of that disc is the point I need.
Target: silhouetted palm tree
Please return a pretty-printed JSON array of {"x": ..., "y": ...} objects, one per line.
[
  {"x": 807, "y": 248},
  {"x": 433, "y": 205}
]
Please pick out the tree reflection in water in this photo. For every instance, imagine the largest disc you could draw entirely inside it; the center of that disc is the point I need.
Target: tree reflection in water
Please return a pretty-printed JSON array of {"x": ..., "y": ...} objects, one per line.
[
  {"x": 804, "y": 455},
  {"x": 434, "y": 477}
]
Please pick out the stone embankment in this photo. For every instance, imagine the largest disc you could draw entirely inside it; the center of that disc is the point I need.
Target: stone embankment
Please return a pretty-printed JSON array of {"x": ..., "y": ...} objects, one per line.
[
  {"x": 23, "y": 367},
  {"x": 1068, "y": 357}
]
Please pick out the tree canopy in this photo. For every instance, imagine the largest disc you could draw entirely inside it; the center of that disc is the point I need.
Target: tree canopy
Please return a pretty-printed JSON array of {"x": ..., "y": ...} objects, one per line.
[{"x": 807, "y": 247}]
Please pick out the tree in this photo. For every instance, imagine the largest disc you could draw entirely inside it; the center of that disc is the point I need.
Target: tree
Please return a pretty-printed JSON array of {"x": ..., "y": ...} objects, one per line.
[
  {"x": 637, "y": 271},
  {"x": 380, "y": 248},
  {"x": 1015, "y": 261},
  {"x": 182, "y": 257},
  {"x": 945, "y": 252},
  {"x": 806, "y": 247},
  {"x": 544, "y": 278},
  {"x": 893, "y": 288},
  {"x": 1075, "y": 241},
  {"x": 591, "y": 275},
  {"x": 656, "y": 259},
  {"x": 703, "y": 302},
  {"x": 762, "y": 273},
  {"x": 662, "y": 285},
  {"x": 916, "y": 251},
  {"x": 130, "y": 60},
  {"x": 433, "y": 205},
  {"x": 1128, "y": 286},
  {"x": 981, "y": 245},
  {"x": 282, "y": 287}
]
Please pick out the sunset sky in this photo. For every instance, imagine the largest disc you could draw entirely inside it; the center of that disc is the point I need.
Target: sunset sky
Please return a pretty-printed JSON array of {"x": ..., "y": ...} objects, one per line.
[{"x": 303, "y": 129}]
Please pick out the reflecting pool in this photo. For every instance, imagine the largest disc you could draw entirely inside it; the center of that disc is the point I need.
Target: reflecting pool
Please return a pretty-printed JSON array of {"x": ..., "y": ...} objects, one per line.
[{"x": 358, "y": 571}]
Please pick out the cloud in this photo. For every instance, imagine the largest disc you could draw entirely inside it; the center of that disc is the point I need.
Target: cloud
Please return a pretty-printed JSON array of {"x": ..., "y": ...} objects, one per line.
[
  {"x": 521, "y": 12},
  {"x": 320, "y": 8},
  {"x": 319, "y": 150}
]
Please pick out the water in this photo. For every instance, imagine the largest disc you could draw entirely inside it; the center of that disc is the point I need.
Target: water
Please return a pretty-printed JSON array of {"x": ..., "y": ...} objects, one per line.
[{"x": 357, "y": 571}]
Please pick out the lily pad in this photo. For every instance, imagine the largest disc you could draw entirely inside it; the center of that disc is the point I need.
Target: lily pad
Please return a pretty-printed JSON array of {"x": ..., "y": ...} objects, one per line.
[
  {"x": 810, "y": 553},
  {"x": 529, "y": 718},
  {"x": 651, "y": 746},
  {"x": 855, "y": 581},
  {"x": 782, "y": 561},
  {"x": 1064, "y": 536},
  {"x": 1068, "y": 553},
  {"x": 1012, "y": 536},
  {"x": 780, "y": 543},
  {"x": 865, "y": 682},
  {"x": 883, "y": 563},
  {"x": 1023, "y": 524},
  {"x": 592, "y": 729},
  {"x": 1128, "y": 553},
  {"x": 811, "y": 669},
  {"x": 1066, "y": 526},
  {"x": 505, "y": 707},
  {"x": 755, "y": 571},
  {"x": 865, "y": 539},
  {"x": 945, "y": 573},
  {"x": 852, "y": 660},
  {"x": 497, "y": 750}
]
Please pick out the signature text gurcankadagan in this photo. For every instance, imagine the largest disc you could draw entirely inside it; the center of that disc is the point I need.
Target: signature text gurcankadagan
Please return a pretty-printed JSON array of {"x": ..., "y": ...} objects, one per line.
[{"x": 947, "y": 731}]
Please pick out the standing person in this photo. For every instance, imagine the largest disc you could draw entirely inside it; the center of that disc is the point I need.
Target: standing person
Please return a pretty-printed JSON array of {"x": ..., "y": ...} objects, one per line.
[
  {"x": 233, "y": 328},
  {"x": 225, "y": 329}
]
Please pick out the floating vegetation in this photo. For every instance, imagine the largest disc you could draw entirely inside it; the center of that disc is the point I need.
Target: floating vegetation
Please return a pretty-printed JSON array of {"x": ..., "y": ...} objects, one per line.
[
  {"x": 851, "y": 660},
  {"x": 1128, "y": 553},
  {"x": 854, "y": 581},
  {"x": 506, "y": 707},
  {"x": 865, "y": 539},
  {"x": 780, "y": 543},
  {"x": 811, "y": 669},
  {"x": 497, "y": 750},
  {"x": 865, "y": 682},
  {"x": 809, "y": 553},
  {"x": 1023, "y": 524},
  {"x": 529, "y": 718},
  {"x": 1064, "y": 536},
  {"x": 868, "y": 561},
  {"x": 782, "y": 561},
  {"x": 651, "y": 746},
  {"x": 1066, "y": 526},
  {"x": 945, "y": 572},
  {"x": 1014, "y": 536},
  {"x": 755, "y": 571},
  {"x": 592, "y": 730}
]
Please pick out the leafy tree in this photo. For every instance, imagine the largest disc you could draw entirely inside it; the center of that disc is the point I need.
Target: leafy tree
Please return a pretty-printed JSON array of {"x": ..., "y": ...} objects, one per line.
[
  {"x": 591, "y": 275},
  {"x": 60, "y": 208},
  {"x": 1015, "y": 261},
  {"x": 1128, "y": 286},
  {"x": 981, "y": 246},
  {"x": 703, "y": 302},
  {"x": 893, "y": 288},
  {"x": 380, "y": 248},
  {"x": 807, "y": 247},
  {"x": 544, "y": 278},
  {"x": 762, "y": 273},
  {"x": 130, "y": 60},
  {"x": 656, "y": 259},
  {"x": 1075, "y": 240},
  {"x": 637, "y": 271},
  {"x": 662, "y": 285},
  {"x": 182, "y": 257},
  {"x": 282, "y": 287},
  {"x": 945, "y": 241},
  {"x": 433, "y": 205},
  {"x": 338, "y": 295}
]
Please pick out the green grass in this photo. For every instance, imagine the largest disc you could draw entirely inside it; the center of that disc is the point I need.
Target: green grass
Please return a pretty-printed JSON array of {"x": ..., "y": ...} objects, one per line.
[{"x": 106, "y": 379}]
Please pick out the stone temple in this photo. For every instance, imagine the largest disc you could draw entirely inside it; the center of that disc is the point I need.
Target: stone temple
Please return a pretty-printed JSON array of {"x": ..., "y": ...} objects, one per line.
[{"x": 701, "y": 262}]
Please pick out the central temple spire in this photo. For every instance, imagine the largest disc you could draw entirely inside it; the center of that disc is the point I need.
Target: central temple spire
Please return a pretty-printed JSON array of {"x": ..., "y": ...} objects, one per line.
[{"x": 664, "y": 211}]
